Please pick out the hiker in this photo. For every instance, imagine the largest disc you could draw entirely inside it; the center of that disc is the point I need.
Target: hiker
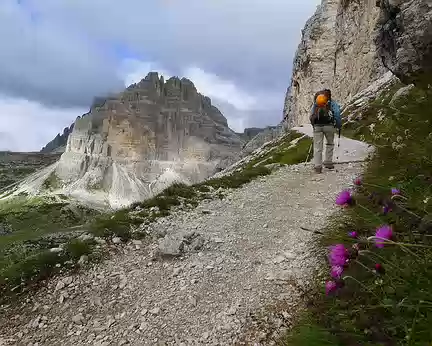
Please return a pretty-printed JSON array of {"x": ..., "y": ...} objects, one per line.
[{"x": 325, "y": 118}]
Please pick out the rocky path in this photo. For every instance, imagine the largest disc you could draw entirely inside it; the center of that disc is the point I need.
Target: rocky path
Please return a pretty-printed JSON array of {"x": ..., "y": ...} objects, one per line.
[{"x": 252, "y": 254}]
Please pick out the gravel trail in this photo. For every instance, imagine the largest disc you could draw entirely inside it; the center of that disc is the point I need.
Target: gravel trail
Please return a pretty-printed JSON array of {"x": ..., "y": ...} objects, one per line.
[{"x": 250, "y": 253}]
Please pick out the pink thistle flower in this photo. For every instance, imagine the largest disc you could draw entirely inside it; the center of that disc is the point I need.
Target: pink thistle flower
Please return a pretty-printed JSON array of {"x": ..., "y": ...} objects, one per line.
[
  {"x": 395, "y": 191},
  {"x": 353, "y": 234},
  {"x": 358, "y": 181},
  {"x": 386, "y": 209},
  {"x": 379, "y": 268},
  {"x": 338, "y": 255},
  {"x": 344, "y": 198},
  {"x": 383, "y": 233},
  {"x": 336, "y": 272},
  {"x": 330, "y": 287}
]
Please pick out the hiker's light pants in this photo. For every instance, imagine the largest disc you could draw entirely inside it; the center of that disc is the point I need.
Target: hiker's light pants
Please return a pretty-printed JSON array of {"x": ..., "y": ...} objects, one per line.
[{"x": 319, "y": 132}]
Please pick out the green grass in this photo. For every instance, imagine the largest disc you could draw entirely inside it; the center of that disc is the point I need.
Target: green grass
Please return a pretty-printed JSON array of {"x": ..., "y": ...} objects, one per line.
[
  {"x": 284, "y": 152},
  {"x": 52, "y": 182},
  {"x": 384, "y": 309},
  {"x": 32, "y": 267},
  {"x": 30, "y": 218},
  {"x": 310, "y": 334},
  {"x": 24, "y": 255}
]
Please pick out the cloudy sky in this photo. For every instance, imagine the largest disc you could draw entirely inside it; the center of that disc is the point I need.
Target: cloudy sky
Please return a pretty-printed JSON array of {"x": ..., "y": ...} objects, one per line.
[{"x": 56, "y": 55}]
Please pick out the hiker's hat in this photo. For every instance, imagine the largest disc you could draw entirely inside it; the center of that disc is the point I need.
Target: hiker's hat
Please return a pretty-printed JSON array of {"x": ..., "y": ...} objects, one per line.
[{"x": 321, "y": 100}]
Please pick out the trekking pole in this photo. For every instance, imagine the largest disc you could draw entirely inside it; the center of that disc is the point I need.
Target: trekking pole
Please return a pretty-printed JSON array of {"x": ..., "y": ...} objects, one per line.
[
  {"x": 337, "y": 157},
  {"x": 307, "y": 158}
]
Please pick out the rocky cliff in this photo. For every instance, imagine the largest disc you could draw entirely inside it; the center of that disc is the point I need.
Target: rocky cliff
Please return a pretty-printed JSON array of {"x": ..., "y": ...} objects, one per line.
[
  {"x": 348, "y": 44},
  {"x": 336, "y": 52},
  {"x": 58, "y": 144},
  {"x": 132, "y": 145}
]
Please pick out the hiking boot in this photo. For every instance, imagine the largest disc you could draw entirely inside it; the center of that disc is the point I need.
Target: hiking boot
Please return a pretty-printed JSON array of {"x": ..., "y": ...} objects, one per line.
[{"x": 318, "y": 170}]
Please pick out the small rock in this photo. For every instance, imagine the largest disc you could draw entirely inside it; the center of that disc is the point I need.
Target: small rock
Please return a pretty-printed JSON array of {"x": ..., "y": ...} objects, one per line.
[
  {"x": 123, "y": 282},
  {"x": 100, "y": 241},
  {"x": 86, "y": 237},
  {"x": 116, "y": 240},
  {"x": 279, "y": 259},
  {"x": 176, "y": 271},
  {"x": 289, "y": 255},
  {"x": 205, "y": 335},
  {"x": 197, "y": 243},
  {"x": 232, "y": 311},
  {"x": 83, "y": 260},
  {"x": 78, "y": 319},
  {"x": 218, "y": 240},
  {"x": 56, "y": 249},
  {"x": 67, "y": 280},
  {"x": 265, "y": 225},
  {"x": 137, "y": 242},
  {"x": 60, "y": 285},
  {"x": 155, "y": 311},
  {"x": 193, "y": 300},
  {"x": 171, "y": 246}
]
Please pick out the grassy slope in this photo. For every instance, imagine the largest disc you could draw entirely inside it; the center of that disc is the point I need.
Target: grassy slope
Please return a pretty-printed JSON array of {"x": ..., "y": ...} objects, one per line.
[
  {"x": 394, "y": 308},
  {"x": 16, "y": 166},
  {"x": 30, "y": 219}
]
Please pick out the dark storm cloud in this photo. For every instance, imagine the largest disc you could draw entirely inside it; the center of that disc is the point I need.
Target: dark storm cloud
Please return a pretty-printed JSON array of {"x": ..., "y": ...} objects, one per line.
[{"x": 250, "y": 42}]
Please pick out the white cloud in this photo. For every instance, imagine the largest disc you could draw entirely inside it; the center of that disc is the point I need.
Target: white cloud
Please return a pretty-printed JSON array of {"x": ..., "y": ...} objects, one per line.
[
  {"x": 211, "y": 85},
  {"x": 63, "y": 53},
  {"x": 133, "y": 70},
  {"x": 28, "y": 126}
]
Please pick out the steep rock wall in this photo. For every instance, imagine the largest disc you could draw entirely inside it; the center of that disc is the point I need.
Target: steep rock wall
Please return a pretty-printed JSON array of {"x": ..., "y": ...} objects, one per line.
[
  {"x": 337, "y": 51},
  {"x": 404, "y": 40}
]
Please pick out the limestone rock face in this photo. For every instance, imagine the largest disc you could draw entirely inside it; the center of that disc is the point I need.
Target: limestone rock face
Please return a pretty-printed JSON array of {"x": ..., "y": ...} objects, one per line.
[
  {"x": 337, "y": 51},
  {"x": 133, "y": 145},
  {"x": 405, "y": 39}
]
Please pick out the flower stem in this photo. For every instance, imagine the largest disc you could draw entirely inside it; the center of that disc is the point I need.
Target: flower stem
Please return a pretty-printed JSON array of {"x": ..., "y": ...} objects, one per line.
[
  {"x": 408, "y": 211},
  {"x": 413, "y": 325},
  {"x": 367, "y": 268},
  {"x": 365, "y": 287},
  {"x": 370, "y": 212},
  {"x": 380, "y": 257}
]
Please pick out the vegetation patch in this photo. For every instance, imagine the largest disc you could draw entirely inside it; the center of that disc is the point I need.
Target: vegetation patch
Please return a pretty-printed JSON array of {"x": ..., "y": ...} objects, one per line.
[
  {"x": 52, "y": 182},
  {"x": 30, "y": 268},
  {"x": 285, "y": 151},
  {"x": 382, "y": 292},
  {"x": 29, "y": 228}
]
